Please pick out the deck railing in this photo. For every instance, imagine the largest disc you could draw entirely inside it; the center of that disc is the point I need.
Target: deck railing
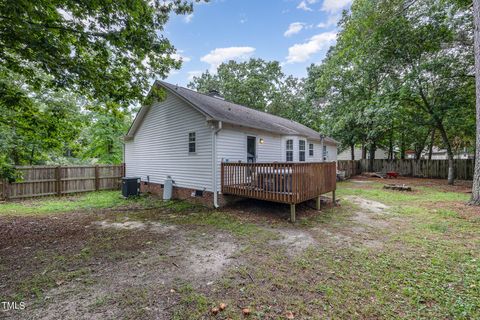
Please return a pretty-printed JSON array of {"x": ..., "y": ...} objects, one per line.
[{"x": 279, "y": 182}]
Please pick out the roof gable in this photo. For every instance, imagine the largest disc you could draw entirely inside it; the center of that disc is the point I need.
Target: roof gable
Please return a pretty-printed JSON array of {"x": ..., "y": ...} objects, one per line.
[{"x": 228, "y": 112}]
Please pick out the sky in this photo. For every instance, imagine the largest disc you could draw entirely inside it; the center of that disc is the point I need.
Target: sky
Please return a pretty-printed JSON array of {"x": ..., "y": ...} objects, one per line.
[{"x": 295, "y": 32}]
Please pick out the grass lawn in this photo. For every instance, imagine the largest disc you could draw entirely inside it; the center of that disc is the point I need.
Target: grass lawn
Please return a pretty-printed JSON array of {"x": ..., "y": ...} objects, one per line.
[
  {"x": 379, "y": 255},
  {"x": 82, "y": 202}
]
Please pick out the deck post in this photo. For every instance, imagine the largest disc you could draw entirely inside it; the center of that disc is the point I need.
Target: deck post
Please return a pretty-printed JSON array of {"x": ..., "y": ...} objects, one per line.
[
  {"x": 318, "y": 202},
  {"x": 292, "y": 212},
  {"x": 333, "y": 198}
]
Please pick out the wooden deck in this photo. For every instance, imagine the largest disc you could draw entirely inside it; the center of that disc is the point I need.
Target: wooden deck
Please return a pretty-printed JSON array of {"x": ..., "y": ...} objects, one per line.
[{"x": 290, "y": 183}]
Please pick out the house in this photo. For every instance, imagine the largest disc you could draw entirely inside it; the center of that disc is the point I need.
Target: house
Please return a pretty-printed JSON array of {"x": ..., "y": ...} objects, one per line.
[
  {"x": 189, "y": 136},
  {"x": 441, "y": 154},
  {"x": 410, "y": 154},
  {"x": 347, "y": 154}
]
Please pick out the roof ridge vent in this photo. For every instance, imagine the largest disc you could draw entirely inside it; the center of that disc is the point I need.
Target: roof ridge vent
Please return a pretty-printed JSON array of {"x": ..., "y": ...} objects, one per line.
[{"x": 215, "y": 94}]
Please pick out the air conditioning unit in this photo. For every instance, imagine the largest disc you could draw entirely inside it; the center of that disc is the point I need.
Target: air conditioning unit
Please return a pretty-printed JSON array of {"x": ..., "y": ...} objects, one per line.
[{"x": 130, "y": 187}]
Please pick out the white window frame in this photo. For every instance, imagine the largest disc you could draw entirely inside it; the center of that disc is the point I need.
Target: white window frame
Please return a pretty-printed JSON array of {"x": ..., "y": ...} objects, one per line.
[
  {"x": 289, "y": 150},
  {"x": 302, "y": 145},
  {"x": 194, "y": 142},
  {"x": 310, "y": 149},
  {"x": 325, "y": 153}
]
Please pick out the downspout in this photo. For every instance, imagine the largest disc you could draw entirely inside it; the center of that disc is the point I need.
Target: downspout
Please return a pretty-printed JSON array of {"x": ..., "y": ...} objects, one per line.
[{"x": 214, "y": 163}]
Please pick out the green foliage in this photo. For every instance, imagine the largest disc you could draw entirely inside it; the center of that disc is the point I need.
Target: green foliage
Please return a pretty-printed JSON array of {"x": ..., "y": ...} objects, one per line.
[
  {"x": 105, "y": 50},
  {"x": 69, "y": 74},
  {"x": 398, "y": 71},
  {"x": 101, "y": 140},
  {"x": 251, "y": 83}
]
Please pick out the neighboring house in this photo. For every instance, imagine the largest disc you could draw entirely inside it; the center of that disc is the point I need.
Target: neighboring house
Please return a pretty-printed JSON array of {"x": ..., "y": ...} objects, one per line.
[
  {"x": 410, "y": 154},
  {"x": 441, "y": 154},
  {"x": 347, "y": 154},
  {"x": 189, "y": 134}
]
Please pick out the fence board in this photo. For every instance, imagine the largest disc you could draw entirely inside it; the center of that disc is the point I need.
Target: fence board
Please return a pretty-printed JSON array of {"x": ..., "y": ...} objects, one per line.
[
  {"x": 49, "y": 180},
  {"x": 408, "y": 167}
]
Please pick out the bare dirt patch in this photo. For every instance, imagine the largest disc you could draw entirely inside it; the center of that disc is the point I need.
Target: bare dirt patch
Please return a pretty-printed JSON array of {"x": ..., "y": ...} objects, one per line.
[
  {"x": 211, "y": 259},
  {"x": 295, "y": 241},
  {"x": 91, "y": 266},
  {"x": 136, "y": 225},
  {"x": 368, "y": 205}
]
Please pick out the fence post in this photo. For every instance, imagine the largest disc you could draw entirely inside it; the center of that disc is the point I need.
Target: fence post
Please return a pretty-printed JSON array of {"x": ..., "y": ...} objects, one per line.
[
  {"x": 58, "y": 177},
  {"x": 97, "y": 178},
  {"x": 122, "y": 170},
  {"x": 5, "y": 188}
]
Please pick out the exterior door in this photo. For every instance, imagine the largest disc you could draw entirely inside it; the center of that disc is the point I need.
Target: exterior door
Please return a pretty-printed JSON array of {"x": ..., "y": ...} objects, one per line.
[{"x": 251, "y": 149}]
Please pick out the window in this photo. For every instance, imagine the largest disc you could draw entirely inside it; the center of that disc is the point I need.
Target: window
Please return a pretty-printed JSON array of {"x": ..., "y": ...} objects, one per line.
[
  {"x": 289, "y": 150},
  {"x": 310, "y": 149},
  {"x": 192, "y": 143},
  {"x": 325, "y": 153},
  {"x": 301, "y": 150}
]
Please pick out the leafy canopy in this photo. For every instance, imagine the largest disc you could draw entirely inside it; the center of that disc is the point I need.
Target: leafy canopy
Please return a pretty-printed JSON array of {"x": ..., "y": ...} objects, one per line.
[{"x": 105, "y": 50}]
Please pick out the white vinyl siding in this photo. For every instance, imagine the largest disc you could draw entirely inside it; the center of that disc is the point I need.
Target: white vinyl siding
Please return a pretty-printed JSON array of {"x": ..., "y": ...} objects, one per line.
[
  {"x": 161, "y": 146},
  {"x": 232, "y": 146}
]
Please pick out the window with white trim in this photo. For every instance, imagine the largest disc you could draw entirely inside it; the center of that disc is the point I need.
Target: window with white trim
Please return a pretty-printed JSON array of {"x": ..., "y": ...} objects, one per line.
[
  {"x": 325, "y": 153},
  {"x": 289, "y": 148},
  {"x": 310, "y": 149},
  {"x": 192, "y": 142},
  {"x": 301, "y": 150}
]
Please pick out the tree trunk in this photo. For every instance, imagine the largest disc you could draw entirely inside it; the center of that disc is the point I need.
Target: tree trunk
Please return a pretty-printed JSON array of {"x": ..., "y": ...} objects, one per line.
[
  {"x": 475, "y": 200},
  {"x": 451, "y": 172},
  {"x": 430, "y": 147},
  {"x": 352, "y": 150},
  {"x": 371, "y": 151},
  {"x": 390, "y": 148},
  {"x": 402, "y": 147},
  {"x": 364, "y": 152},
  {"x": 32, "y": 154}
]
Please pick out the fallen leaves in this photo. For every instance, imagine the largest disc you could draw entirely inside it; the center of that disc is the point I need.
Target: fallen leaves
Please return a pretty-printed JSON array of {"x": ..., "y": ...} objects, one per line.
[{"x": 246, "y": 311}]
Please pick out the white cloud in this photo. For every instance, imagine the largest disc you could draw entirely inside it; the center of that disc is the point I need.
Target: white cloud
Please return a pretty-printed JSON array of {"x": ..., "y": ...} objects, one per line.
[
  {"x": 219, "y": 55},
  {"x": 173, "y": 72},
  {"x": 304, "y": 5},
  {"x": 179, "y": 56},
  {"x": 301, "y": 52},
  {"x": 294, "y": 28},
  {"x": 188, "y": 18},
  {"x": 335, "y": 5},
  {"x": 194, "y": 73},
  {"x": 331, "y": 21}
]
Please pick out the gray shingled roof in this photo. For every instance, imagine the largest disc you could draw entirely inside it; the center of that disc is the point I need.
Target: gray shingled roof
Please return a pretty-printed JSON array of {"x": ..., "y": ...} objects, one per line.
[{"x": 228, "y": 112}]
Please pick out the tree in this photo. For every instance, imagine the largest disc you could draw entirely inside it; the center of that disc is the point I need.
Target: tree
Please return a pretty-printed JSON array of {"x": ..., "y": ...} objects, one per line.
[
  {"x": 104, "y": 50},
  {"x": 407, "y": 60},
  {"x": 39, "y": 123},
  {"x": 475, "y": 200},
  {"x": 251, "y": 83},
  {"x": 54, "y": 52}
]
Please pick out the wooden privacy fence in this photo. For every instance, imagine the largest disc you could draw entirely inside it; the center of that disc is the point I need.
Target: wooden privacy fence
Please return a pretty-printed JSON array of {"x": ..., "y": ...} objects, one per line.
[
  {"x": 279, "y": 182},
  {"x": 351, "y": 167},
  {"x": 58, "y": 180},
  {"x": 408, "y": 167}
]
